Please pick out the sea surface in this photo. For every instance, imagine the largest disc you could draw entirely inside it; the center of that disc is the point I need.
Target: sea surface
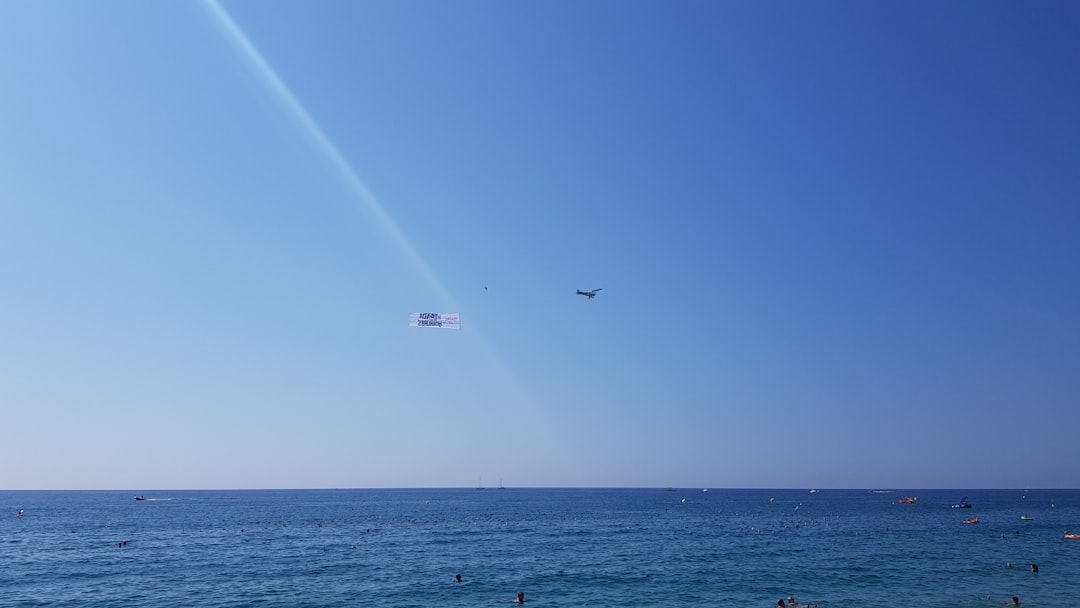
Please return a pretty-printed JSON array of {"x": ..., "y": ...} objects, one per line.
[{"x": 562, "y": 547}]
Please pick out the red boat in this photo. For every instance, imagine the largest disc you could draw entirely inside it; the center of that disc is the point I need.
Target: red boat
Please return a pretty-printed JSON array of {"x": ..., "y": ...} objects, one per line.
[{"x": 974, "y": 520}]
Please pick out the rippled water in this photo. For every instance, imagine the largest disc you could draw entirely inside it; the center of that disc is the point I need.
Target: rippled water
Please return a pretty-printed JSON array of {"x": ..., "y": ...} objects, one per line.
[{"x": 562, "y": 547}]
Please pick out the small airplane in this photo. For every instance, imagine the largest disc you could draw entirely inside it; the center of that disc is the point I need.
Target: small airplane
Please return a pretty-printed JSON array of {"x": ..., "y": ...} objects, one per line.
[{"x": 589, "y": 294}]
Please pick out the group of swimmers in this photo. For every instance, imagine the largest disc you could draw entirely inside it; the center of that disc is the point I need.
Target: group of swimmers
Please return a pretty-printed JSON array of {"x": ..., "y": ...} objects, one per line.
[
  {"x": 520, "y": 599},
  {"x": 1015, "y": 600}
]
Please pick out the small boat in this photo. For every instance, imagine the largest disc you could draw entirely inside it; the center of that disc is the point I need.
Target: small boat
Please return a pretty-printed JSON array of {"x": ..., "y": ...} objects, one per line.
[
  {"x": 973, "y": 520},
  {"x": 963, "y": 504},
  {"x": 1027, "y": 518},
  {"x": 140, "y": 498},
  {"x": 813, "y": 491},
  {"x": 908, "y": 500},
  {"x": 1072, "y": 536}
]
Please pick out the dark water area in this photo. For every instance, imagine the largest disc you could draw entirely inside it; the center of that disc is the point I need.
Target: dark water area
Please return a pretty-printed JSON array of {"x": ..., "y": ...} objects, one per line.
[{"x": 562, "y": 547}]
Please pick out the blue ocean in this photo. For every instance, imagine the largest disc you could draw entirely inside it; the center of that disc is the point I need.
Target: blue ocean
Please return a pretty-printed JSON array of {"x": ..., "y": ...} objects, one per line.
[{"x": 561, "y": 547}]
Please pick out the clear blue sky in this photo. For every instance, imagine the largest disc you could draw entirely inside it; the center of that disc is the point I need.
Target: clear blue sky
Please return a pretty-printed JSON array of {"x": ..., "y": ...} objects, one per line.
[{"x": 839, "y": 244}]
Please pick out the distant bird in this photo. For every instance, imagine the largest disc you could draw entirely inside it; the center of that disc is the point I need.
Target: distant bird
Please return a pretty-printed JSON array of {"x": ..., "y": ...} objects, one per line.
[{"x": 589, "y": 294}]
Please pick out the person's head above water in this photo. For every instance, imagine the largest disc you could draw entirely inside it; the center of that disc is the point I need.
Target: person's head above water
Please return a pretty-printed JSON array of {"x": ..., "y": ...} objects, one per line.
[
  {"x": 521, "y": 597},
  {"x": 457, "y": 578}
]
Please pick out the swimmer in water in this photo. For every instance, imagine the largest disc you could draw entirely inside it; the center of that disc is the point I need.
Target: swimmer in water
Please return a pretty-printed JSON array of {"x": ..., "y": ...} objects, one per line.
[
  {"x": 521, "y": 597},
  {"x": 457, "y": 579},
  {"x": 1034, "y": 568}
]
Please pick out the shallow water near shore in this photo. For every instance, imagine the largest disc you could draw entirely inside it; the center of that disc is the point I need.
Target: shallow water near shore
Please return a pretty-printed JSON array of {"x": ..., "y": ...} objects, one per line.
[{"x": 562, "y": 547}]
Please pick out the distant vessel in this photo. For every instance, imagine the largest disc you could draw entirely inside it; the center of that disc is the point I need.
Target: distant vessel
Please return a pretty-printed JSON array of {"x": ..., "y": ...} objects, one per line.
[
  {"x": 963, "y": 504},
  {"x": 1027, "y": 518},
  {"x": 140, "y": 498},
  {"x": 974, "y": 520},
  {"x": 813, "y": 491}
]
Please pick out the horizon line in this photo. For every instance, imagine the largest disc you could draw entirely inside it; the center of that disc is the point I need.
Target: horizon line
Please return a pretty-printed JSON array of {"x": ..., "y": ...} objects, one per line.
[{"x": 504, "y": 487}]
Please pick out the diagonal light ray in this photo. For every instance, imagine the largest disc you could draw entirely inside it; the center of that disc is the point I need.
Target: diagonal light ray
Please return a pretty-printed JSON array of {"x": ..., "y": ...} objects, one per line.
[
  {"x": 565, "y": 459},
  {"x": 325, "y": 145}
]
